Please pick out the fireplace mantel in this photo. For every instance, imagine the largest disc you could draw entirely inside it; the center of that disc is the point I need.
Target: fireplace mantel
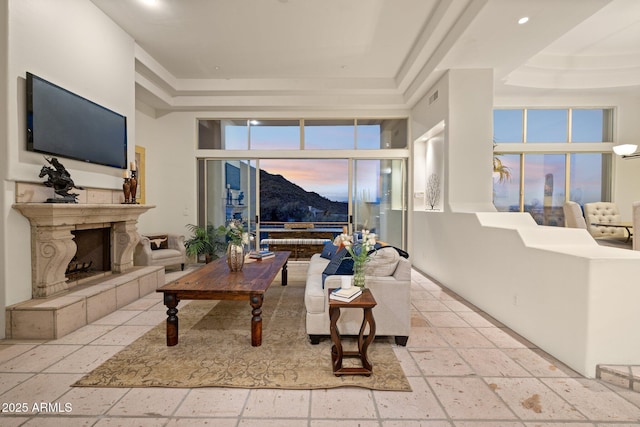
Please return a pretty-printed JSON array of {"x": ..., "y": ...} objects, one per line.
[{"x": 52, "y": 245}]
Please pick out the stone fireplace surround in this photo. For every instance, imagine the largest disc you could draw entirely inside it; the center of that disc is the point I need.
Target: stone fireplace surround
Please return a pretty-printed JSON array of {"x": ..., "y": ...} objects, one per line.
[
  {"x": 52, "y": 245},
  {"x": 59, "y": 307}
]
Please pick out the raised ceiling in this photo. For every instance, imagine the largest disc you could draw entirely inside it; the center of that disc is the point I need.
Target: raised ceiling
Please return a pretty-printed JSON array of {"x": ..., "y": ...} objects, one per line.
[{"x": 366, "y": 54}]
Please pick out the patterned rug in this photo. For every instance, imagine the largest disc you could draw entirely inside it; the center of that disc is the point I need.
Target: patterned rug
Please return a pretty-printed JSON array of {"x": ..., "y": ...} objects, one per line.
[{"x": 214, "y": 350}]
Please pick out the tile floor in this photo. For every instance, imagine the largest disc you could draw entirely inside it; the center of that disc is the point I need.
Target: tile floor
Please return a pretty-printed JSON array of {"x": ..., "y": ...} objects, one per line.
[{"x": 466, "y": 370}]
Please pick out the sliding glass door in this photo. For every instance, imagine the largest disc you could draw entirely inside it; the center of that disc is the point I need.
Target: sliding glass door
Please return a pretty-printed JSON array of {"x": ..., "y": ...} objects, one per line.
[{"x": 324, "y": 194}]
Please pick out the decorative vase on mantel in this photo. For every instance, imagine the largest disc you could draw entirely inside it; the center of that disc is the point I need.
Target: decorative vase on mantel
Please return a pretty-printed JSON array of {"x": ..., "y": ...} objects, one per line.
[
  {"x": 235, "y": 257},
  {"x": 358, "y": 274}
]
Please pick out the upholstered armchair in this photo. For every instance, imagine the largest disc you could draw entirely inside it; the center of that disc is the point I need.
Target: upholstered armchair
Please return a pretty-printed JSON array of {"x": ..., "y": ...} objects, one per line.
[
  {"x": 573, "y": 215},
  {"x": 160, "y": 249},
  {"x": 603, "y": 212}
]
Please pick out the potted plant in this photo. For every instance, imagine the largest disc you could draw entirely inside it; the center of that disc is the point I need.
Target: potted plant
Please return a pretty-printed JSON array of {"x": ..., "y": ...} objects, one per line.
[{"x": 208, "y": 241}]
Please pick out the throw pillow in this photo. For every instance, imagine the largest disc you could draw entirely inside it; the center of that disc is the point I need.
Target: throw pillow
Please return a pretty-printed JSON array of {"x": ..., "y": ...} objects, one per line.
[
  {"x": 329, "y": 250},
  {"x": 339, "y": 265},
  {"x": 383, "y": 262}
]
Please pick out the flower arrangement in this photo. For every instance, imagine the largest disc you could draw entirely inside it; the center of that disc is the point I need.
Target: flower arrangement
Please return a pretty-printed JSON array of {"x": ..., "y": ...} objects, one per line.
[
  {"x": 235, "y": 232},
  {"x": 358, "y": 252}
]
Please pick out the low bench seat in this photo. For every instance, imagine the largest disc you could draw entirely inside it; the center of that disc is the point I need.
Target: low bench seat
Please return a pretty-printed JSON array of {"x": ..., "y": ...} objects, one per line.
[{"x": 300, "y": 248}]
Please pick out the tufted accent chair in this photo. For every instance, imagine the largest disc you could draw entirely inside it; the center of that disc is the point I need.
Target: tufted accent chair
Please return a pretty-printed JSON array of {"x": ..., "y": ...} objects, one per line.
[
  {"x": 573, "y": 215},
  {"x": 603, "y": 212}
]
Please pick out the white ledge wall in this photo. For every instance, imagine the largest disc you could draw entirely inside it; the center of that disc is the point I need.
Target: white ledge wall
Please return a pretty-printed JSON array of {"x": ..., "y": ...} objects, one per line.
[{"x": 555, "y": 286}]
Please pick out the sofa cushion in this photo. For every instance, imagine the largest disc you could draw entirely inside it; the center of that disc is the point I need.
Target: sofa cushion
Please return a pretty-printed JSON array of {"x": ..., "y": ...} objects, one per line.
[
  {"x": 329, "y": 250},
  {"x": 341, "y": 265},
  {"x": 382, "y": 262}
]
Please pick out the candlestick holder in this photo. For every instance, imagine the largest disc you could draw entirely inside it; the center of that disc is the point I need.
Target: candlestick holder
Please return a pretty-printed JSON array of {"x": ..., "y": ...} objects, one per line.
[{"x": 133, "y": 181}]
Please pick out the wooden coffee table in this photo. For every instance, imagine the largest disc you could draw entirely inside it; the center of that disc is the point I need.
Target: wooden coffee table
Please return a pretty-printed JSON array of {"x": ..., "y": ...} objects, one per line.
[{"x": 215, "y": 281}]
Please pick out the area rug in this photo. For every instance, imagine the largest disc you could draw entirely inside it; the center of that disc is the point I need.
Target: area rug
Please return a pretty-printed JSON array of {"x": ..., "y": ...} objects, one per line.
[{"x": 214, "y": 350}]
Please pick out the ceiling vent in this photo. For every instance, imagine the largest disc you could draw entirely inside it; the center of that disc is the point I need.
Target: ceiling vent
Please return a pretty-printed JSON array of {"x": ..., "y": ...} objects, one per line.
[{"x": 433, "y": 98}]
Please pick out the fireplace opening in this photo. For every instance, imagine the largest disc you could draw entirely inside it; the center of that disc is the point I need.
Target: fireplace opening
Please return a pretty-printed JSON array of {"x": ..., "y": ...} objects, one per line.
[{"x": 93, "y": 254}]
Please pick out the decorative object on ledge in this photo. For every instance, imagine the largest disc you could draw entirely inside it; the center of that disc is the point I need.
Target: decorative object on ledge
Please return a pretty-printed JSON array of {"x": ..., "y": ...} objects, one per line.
[
  {"x": 626, "y": 151},
  {"x": 130, "y": 185},
  {"x": 433, "y": 190},
  {"x": 60, "y": 180}
]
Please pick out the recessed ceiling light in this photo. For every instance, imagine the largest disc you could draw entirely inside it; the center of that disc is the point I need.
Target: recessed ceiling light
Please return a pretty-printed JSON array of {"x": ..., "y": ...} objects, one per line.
[
  {"x": 254, "y": 122},
  {"x": 150, "y": 3},
  {"x": 523, "y": 20}
]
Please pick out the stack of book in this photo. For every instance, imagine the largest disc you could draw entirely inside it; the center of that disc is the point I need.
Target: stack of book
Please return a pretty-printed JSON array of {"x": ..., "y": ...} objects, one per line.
[
  {"x": 261, "y": 254},
  {"x": 346, "y": 295}
]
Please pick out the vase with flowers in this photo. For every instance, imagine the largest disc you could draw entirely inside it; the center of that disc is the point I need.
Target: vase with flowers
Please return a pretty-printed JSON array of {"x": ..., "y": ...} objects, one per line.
[
  {"x": 236, "y": 238},
  {"x": 359, "y": 251}
]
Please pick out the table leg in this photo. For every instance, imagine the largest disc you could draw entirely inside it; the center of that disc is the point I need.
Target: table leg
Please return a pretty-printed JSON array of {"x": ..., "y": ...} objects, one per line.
[
  {"x": 363, "y": 343},
  {"x": 171, "y": 301},
  {"x": 284, "y": 274},
  {"x": 336, "y": 348},
  {"x": 256, "y": 320}
]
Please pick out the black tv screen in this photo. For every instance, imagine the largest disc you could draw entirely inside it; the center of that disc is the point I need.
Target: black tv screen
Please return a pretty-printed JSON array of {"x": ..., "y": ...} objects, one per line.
[{"x": 64, "y": 124}]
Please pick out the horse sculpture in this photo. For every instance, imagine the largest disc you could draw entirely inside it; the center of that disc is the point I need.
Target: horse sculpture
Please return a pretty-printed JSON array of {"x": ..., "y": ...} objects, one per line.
[{"x": 60, "y": 180}]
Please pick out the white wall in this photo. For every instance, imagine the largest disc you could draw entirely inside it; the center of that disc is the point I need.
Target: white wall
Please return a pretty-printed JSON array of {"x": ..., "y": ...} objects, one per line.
[
  {"x": 4, "y": 40},
  {"x": 555, "y": 286},
  {"x": 88, "y": 55},
  {"x": 171, "y": 174}
]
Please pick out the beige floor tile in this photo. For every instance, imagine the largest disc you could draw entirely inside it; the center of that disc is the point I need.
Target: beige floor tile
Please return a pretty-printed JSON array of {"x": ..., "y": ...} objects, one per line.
[
  {"x": 420, "y": 404},
  {"x": 151, "y": 402},
  {"x": 213, "y": 402},
  {"x": 531, "y": 399},
  {"x": 469, "y": 398},
  {"x": 117, "y": 317},
  {"x": 8, "y": 381},
  {"x": 41, "y": 388},
  {"x": 538, "y": 363},
  {"x": 437, "y": 361},
  {"x": 8, "y": 421},
  {"x": 84, "y": 335},
  {"x": 418, "y": 320},
  {"x": 274, "y": 422},
  {"x": 148, "y": 318},
  {"x": 594, "y": 399},
  {"x": 489, "y": 424},
  {"x": 60, "y": 421},
  {"x": 489, "y": 362},
  {"x": 203, "y": 422},
  {"x": 122, "y": 335},
  {"x": 464, "y": 338},
  {"x": 502, "y": 339},
  {"x": 477, "y": 319},
  {"x": 9, "y": 351},
  {"x": 442, "y": 319},
  {"x": 429, "y": 305},
  {"x": 420, "y": 294},
  {"x": 561, "y": 424},
  {"x": 38, "y": 358},
  {"x": 416, "y": 423},
  {"x": 339, "y": 404},
  {"x": 131, "y": 422},
  {"x": 409, "y": 366},
  {"x": 92, "y": 401},
  {"x": 85, "y": 359},
  {"x": 425, "y": 338},
  {"x": 457, "y": 305},
  {"x": 143, "y": 303},
  {"x": 269, "y": 403},
  {"x": 343, "y": 423}
]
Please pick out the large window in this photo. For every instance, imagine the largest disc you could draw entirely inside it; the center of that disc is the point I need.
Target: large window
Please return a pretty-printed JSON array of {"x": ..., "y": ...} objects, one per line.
[
  {"x": 542, "y": 160},
  {"x": 296, "y": 134}
]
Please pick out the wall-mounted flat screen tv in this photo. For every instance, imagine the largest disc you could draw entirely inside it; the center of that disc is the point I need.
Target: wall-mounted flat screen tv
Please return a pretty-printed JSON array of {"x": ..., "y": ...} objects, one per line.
[{"x": 64, "y": 124}]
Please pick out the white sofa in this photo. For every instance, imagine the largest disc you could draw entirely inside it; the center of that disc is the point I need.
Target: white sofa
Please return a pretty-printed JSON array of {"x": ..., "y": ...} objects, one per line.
[
  {"x": 160, "y": 249},
  {"x": 388, "y": 276}
]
